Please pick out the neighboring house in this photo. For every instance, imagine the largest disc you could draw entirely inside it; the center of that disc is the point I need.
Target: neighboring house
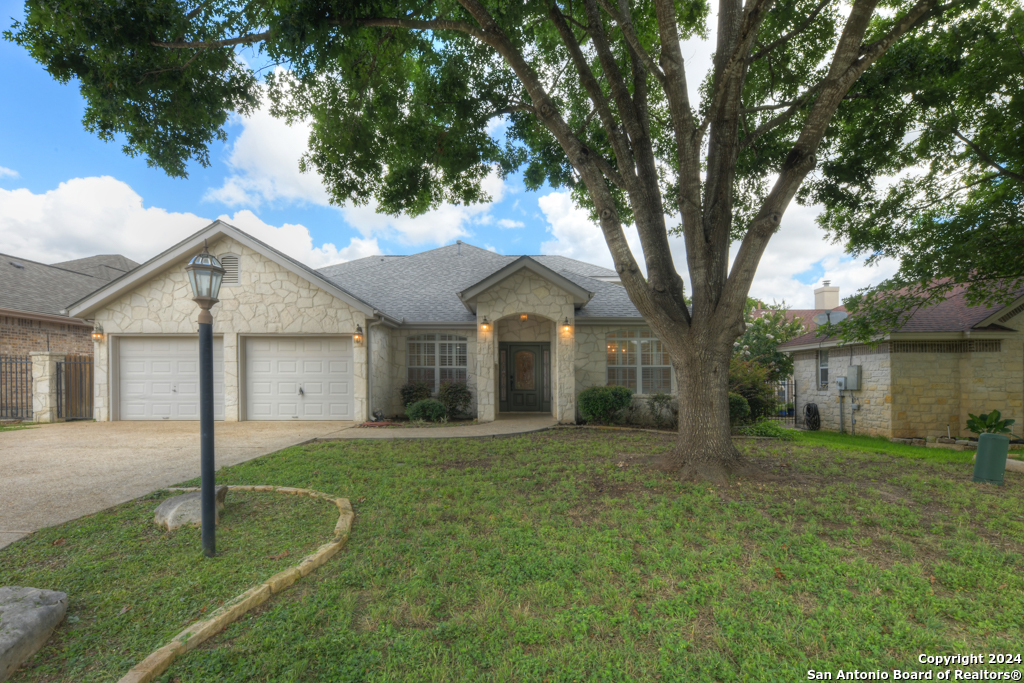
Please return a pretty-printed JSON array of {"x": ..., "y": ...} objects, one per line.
[
  {"x": 34, "y": 298},
  {"x": 526, "y": 333},
  {"x": 826, "y": 298},
  {"x": 948, "y": 360}
]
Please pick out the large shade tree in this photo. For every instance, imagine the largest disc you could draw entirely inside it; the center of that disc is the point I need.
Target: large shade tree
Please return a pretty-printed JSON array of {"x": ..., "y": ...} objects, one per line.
[{"x": 400, "y": 95}]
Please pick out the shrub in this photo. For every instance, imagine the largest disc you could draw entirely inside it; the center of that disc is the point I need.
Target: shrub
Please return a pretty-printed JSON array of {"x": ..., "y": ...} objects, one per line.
[
  {"x": 659, "y": 407},
  {"x": 751, "y": 381},
  {"x": 455, "y": 397},
  {"x": 600, "y": 404},
  {"x": 770, "y": 428},
  {"x": 428, "y": 410},
  {"x": 414, "y": 391},
  {"x": 739, "y": 409},
  {"x": 989, "y": 423}
]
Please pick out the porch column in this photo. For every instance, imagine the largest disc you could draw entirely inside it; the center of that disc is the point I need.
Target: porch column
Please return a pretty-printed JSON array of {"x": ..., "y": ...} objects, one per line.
[
  {"x": 486, "y": 354},
  {"x": 44, "y": 385},
  {"x": 565, "y": 367}
]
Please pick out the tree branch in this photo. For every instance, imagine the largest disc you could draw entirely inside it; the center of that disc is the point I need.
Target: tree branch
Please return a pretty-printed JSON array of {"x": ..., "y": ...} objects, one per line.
[
  {"x": 986, "y": 158},
  {"x": 207, "y": 44},
  {"x": 626, "y": 26},
  {"x": 797, "y": 30}
]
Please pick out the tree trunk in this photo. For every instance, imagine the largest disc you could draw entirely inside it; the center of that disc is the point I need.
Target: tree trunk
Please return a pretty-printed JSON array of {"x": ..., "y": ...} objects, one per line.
[{"x": 704, "y": 449}]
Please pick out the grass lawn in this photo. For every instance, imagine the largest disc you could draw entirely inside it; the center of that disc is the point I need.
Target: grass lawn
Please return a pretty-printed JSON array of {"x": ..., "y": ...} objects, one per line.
[{"x": 569, "y": 556}]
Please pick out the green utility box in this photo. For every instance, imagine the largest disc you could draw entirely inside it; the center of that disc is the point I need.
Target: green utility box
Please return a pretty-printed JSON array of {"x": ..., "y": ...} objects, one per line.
[{"x": 990, "y": 462}]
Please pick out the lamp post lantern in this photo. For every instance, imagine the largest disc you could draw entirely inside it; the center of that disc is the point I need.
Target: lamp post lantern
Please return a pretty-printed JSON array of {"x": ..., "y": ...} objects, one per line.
[{"x": 205, "y": 274}]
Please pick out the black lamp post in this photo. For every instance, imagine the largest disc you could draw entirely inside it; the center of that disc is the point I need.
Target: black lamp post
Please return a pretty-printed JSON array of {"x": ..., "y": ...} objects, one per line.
[{"x": 205, "y": 274}]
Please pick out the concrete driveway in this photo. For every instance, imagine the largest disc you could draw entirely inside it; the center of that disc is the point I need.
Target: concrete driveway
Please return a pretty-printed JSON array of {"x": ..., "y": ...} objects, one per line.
[{"x": 53, "y": 473}]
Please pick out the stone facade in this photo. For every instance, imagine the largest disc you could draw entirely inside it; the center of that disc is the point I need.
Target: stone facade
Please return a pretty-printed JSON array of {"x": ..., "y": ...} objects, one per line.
[
  {"x": 873, "y": 417},
  {"x": 392, "y": 368},
  {"x": 526, "y": 292},
  {"x": 916, "y": 389},
  {"x": 44, "y": 385},
  {"x": 22, "y": 336},
  {"x": 269, "y": 299}
]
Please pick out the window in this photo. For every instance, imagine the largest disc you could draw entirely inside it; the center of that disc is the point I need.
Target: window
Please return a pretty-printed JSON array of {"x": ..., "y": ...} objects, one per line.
[
  {"x": 230, "y": 263},
  {"x": 437, "y": 358},
  {"x": 638, "y": 360},
  {"x": 823, "y": 368}
]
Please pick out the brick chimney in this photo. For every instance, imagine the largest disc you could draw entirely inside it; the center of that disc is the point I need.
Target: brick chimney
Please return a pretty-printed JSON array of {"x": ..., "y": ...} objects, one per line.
[{"x": 826, "y": 297}]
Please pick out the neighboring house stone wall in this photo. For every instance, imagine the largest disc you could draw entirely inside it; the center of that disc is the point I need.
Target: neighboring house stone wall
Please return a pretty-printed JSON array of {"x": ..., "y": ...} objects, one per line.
[
  {"x": 22, "y": 336},
  {"x": 874, "y": 417},
  {"x": 269, "y": 299},
  {"x": 916, "y": 389},
  {"x": 525, "y": 292}
]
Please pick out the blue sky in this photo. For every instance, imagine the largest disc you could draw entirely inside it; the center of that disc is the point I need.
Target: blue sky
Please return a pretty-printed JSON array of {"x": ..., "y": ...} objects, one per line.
[{"x": 65, "y": 194}]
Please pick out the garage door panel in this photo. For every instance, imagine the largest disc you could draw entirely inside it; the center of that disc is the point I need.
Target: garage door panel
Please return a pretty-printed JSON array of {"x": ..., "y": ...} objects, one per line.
[
  {"x": 298, "y": 378},
  {"x": 159, "y": 378}
]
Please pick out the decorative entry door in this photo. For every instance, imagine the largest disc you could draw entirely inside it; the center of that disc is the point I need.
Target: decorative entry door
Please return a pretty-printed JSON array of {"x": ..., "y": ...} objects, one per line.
[{"x": 524, "y": 372}]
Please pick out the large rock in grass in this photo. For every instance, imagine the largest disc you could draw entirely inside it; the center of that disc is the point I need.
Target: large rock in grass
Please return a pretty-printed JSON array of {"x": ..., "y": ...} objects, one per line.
[
  {"x": 187, "y": 509},
  {"x": 27, "y": 618}
]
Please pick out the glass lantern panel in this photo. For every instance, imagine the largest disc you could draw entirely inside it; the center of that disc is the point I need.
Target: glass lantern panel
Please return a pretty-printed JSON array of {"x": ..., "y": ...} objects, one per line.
[
  {"x": 218, "y": 277},
  {"x": 192, "y": 281},
  {"x": 202, "y": 282}
]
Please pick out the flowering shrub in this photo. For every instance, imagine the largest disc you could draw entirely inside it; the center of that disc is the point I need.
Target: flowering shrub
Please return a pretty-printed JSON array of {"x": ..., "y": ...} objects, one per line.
[{"x": 766, "y": 329}]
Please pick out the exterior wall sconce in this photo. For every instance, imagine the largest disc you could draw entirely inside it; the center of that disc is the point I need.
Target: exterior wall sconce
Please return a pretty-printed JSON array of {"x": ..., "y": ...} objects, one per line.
[
  {"x": 485, "y": 325},
  {"x": 358, "y": 337},
  {"x": 523, "y": 317},
  {"x": 566, "y": 326},
  {"x": 97, "y": 332}
]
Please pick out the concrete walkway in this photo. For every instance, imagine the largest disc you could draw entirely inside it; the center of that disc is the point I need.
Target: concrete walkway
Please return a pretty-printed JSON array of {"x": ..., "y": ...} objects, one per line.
[
  {"x": 506, "y": 424},
  {"x": 54, "y": 473}
]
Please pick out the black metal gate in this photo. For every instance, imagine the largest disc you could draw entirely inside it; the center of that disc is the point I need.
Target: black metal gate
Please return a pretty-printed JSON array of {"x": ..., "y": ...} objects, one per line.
[
  {"x": 15, "y": 388},
  {"x": 74, "y": 388},
  {"x": 784, "y": 409}
]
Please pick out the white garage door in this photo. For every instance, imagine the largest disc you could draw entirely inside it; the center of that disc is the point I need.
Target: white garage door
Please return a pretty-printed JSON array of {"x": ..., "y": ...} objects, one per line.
[
  {"x": 298, "y": 378},
  {"x": 159, "y": 378}
]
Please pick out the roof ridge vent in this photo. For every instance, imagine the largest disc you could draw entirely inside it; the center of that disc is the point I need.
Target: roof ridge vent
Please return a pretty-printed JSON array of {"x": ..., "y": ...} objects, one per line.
[{"x": 459, "y": 244}]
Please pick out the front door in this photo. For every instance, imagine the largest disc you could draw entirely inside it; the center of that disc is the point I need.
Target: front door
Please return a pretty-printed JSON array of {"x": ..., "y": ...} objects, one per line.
[{"x": 525, "y": 376}]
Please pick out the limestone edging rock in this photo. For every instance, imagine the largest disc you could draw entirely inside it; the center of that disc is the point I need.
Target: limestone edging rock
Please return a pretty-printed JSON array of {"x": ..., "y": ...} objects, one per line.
[
  {"x": 196, "y": 634},
  {"x": 27, "y": 618}
]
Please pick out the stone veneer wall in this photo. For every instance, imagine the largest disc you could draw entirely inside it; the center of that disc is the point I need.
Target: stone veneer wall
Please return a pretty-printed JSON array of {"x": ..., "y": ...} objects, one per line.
[
  {"x": 926, "y": 390},
  {"x": 382, "y": 352},
  {"x": 22, "y": 336},
  {"x": 995, "y": 380},
  {"x": 525, "y": 292},
  {"x": 397, "y": 373},
  {"x": 269, "y": 299},
  {"x": 592, "y": 355},
  {"x": 874, "y": 415}
]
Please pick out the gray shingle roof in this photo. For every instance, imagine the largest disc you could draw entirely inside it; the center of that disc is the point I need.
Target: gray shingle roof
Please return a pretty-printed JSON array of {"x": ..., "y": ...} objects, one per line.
[
  {"x": 38, "y": 288},
  {"x": 104, "y": 266},
  {"x": 423, "y": 287}
]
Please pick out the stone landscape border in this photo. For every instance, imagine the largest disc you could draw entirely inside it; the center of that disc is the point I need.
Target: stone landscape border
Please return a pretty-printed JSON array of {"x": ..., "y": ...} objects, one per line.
[{"x": 196, "y": 634}]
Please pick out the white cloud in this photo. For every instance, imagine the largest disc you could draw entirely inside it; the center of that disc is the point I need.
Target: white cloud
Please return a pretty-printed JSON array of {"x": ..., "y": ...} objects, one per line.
[
  {"x": 575, "y": 235},
  {"x": 8, "y": 172},
  {"x": 265, "y": 163},
  {"x": 103, "y": 215},
  {"x": 799, "y": 247},
  {"x": 264, "y": 160},
  {"x": 506, "y": 224}
]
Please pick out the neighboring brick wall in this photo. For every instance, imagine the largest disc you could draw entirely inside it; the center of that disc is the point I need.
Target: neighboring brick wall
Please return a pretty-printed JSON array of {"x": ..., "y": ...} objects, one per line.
[{"x": 21, "y": 336}]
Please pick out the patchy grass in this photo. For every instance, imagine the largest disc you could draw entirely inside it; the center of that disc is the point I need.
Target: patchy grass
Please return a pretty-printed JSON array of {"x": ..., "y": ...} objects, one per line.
[
  {"x": 14, "y": 426},
  {"x": 571, "y": 556},
  {"x": 131, "y": 586}
]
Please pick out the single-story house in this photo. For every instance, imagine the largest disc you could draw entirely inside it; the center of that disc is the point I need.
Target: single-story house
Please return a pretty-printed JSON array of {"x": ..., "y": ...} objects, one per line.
[
  {"x": 526, "y": 333},
  {"x": 946, "y": 361},
  {"x": 34, "y": 298}
]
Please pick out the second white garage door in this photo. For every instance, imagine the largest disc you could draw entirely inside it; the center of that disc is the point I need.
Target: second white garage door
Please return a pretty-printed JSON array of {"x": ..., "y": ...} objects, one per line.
[{"x": 298, "y": 378}]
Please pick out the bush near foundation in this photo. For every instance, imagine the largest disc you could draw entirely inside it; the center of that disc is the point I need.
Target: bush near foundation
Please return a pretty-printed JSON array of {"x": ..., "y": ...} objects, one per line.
[
  {"x": 414, "y": 391},
  {"x": 739, "y": 409},
  {"x": 455, "y": 397},
  {"x": 600, "y": 404},
  {"x": 427, "y": 410}
]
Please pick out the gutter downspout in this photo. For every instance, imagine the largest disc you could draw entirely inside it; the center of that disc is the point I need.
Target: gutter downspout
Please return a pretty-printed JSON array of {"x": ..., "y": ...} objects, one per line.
[{"x": 369, "y": 366}]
